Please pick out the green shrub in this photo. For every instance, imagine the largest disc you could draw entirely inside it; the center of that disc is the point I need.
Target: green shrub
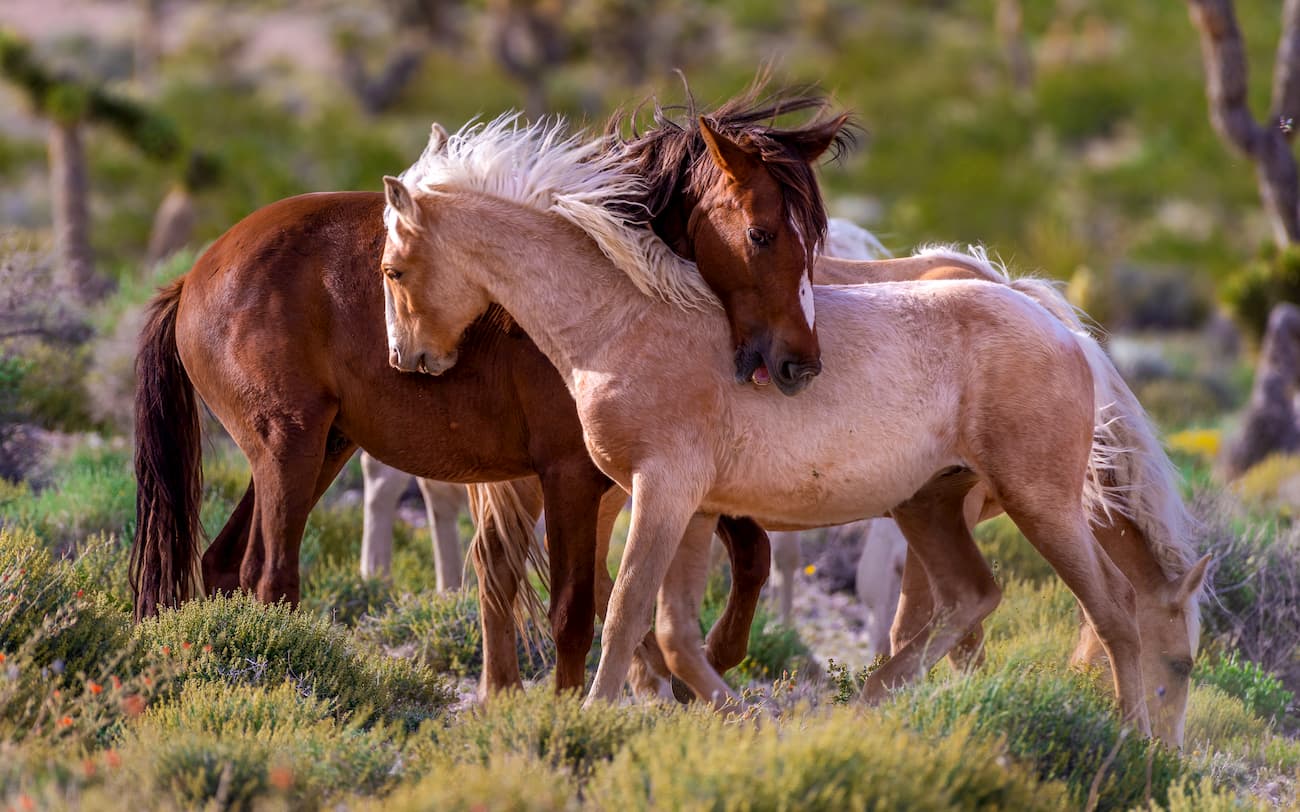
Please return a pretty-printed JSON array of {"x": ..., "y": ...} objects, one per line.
[
  {"x": 238, "y": 743},
  {"x": 53, "y": 391},
  {"x": 535, "y": 724},
  {"x": 1252, "y": 291},
  {"x": 69, "y": 669},
  {"x": 441, "y": 630},
  {"x": 1261, "y": 692},
  {"x": 333, "y": 534},
  {"x": 335, "y": 590},
  {"x": 832, "y": 761},
  {"x": 1059, "y": 723},
  {"x": 240, "y": 641},
  {"x": 506, "y": 783}
]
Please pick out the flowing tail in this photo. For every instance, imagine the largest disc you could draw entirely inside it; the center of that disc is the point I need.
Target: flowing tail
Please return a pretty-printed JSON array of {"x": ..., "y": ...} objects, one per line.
[
  {"x": 496, "y": 507},
  {"x": 168, "y": 467}
]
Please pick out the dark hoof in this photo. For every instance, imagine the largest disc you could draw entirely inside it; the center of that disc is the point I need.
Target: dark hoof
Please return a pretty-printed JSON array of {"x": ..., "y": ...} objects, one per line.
[{"x": 682, "y": 692}]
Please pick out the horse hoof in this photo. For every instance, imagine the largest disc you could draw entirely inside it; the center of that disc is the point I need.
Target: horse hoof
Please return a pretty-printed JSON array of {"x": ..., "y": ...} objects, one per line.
[{"x": 682, "y": 692}]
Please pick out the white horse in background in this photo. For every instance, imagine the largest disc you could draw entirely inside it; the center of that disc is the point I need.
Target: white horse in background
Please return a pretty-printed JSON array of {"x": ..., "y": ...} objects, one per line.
[{"x": 383, "y": 486}]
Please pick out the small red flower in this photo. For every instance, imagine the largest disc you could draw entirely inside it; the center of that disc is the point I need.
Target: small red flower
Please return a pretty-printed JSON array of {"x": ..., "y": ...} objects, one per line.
[
  {"x": 26, "y": 802},
  {"x": 133, "y": 705},
  {"x": 166, "y": 650},
  {"x": 57, "y": 693},
  {"x": 207, "y": 647},
  {"x": 112, "y": 759},
  {"x": 117, "y": 683},
  {"x": 2, "y": 656},
  {"x": 80, "y": 592},
  {"x": 186, "y": 645},
  {"x": 281, "y": 777},
  {"x": 88, "y": 767},
  {"x": 65, "y": 721},
  {"x": 95, "y": 688}
]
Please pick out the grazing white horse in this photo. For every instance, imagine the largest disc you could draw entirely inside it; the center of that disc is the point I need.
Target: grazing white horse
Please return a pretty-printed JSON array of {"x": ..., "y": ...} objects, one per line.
[{"x": 383, "y": 486}]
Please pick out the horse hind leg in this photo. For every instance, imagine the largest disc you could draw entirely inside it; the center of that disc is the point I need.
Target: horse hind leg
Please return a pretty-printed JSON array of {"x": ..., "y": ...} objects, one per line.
[
  {"x": 573, "y": 496},
  {"x": 222, "y": 559},
  {"x": 289, "y": 477},
  {"x": 381, "y": 486},
  {"x": 961, "y": 585}
]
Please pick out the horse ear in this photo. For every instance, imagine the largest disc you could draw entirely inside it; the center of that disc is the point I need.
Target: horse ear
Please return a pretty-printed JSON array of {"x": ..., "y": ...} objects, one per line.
[
  {"x": 734, "y": 161},
  {"x": 437, "y": 138},
  {"x": 813, "y": 142},
  {"x": 1190, "y": 584},
  {"x": 399, "y": 199}
]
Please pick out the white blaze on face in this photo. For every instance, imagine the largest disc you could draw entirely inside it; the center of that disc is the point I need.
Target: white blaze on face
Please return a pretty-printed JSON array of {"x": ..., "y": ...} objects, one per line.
[
  {"x": 806, "y": 299},
  {"x": 805, "y": 284}
]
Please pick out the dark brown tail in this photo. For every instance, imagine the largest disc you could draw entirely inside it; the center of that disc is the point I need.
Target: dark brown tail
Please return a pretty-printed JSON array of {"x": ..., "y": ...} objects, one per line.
[{"x": 168, "y": 466}]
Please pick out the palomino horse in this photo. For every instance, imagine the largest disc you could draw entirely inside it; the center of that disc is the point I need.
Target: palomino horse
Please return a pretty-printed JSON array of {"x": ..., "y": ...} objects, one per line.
[
  {"x": 278, "y": 329},
  {"x": 660, "y": 415}
]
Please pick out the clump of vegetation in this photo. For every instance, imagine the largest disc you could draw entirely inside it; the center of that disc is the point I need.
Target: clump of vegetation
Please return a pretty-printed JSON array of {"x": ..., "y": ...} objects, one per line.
[
  {"x": 1252, "y": 291},
  {"x": 69, "y": 669},
  {"x": 237, "y": 640},
  {"x": 334, "y": 590},
  {"x": 1009, "y": 553},
  {"x": 1261, "y": 692},
  {"x": 441, "y": 631},
  {"x": 1059, "y": 723},
  {"x": 242, "y": 743},
  {"x": 537, "y": 725},
  {"x": 834, "y": 762}
]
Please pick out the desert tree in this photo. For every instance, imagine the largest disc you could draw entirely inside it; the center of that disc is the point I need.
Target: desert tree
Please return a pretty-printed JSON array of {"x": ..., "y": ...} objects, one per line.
[
  {"x": 70, "y": 105},
  {"x": 1267, "y": 143}
]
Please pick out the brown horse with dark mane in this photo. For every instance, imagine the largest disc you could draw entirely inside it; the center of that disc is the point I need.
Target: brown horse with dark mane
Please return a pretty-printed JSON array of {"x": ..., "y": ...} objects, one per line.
[{"x": 279, "y": 328}]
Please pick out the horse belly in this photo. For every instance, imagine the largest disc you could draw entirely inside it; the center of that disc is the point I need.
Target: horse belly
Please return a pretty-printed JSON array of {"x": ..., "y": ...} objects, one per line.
[{"x": 849, "y": 475}]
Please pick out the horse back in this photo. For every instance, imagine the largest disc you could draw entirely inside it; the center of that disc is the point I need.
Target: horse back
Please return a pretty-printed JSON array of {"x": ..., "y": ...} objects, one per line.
[{"x": 285, "y": 313}]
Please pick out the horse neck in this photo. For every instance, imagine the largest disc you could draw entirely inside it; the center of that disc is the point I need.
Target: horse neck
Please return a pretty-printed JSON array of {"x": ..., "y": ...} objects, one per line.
[
  {"x": 574, "y": 304},
  {"x": 1127, "y": 546}
]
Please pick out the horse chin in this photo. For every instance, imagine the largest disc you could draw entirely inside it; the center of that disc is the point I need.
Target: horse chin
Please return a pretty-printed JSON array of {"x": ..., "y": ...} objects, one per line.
[{"x": 431, "y": 364}]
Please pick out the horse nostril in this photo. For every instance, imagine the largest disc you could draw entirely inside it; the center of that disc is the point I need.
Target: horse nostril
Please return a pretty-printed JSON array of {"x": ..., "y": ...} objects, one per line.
[
  {"x": 394, "y": 358},
  {"x": 792, "y": 371}
]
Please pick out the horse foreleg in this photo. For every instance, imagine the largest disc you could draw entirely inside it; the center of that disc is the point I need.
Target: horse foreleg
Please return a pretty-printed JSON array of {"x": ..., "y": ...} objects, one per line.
[
  {"x": 270, "y": 569},
  {"x": 648, "y": 675},
  {"x": 961, "y": 585},
  {"x": 381, "y": 487},
  {"x": 662, "y": 506},
  {"x": 443, "y": 502},
  {"x": 750, "y": 552},
  {"x": 677, "y": 625}
]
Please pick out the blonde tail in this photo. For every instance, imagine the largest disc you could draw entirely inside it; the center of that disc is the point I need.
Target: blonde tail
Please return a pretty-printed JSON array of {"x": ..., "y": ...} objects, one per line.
[{"x": 497, "y": 507}]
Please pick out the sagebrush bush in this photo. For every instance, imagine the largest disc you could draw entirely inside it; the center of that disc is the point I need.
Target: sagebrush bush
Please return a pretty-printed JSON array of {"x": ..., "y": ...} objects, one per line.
[
  {"x": 1252, "y": 291},
  {"x": 1271, "y": 483},
  {"x": 535, "y": 724},
  {"x": 239, "y": 743},
  {"x": 441, "y": 630},
  {"x": 1056, "y": 721},
  {"x": 831, "y": 761},
  {"x": 237, "y": 640},
  {"x": 1258, "y": 690},
  {"x": 506, "y": 783},
  {"x": 1255, "y": 609},
  {"x": 69, "y": 669}
]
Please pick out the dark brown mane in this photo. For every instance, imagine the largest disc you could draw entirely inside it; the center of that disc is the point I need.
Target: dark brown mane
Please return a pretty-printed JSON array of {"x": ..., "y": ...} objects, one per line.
[{"x": 672, "y": 156}]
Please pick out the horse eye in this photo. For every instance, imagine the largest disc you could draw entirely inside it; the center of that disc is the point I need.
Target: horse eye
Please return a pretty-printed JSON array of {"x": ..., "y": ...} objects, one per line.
[
  {"x": 393, "y": 274},
  {"x": 1182, "y": 668},
  {"x": 759, "y": 237}
]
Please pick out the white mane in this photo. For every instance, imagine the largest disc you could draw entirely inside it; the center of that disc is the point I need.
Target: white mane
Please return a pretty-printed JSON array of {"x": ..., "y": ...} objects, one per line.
[{"x": 545, "y": 167}]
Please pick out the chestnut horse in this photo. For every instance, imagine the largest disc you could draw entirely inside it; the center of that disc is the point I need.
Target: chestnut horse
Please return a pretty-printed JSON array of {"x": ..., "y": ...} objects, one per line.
[
  {"x": 986, "y": 387},
  {"x": 278, "y": 328}
]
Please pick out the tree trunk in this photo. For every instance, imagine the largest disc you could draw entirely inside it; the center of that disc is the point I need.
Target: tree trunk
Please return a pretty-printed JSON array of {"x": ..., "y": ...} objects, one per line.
[
  {"x": 173, "y": 225},
  {"x": 69, "y": 193},
  {"x": 1269, "y": 425},
  {"x": 1268, "y": 146}
]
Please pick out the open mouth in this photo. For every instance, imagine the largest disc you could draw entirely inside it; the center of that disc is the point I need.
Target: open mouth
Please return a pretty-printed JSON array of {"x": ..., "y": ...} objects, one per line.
[{"x": 760, "y": 376}]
